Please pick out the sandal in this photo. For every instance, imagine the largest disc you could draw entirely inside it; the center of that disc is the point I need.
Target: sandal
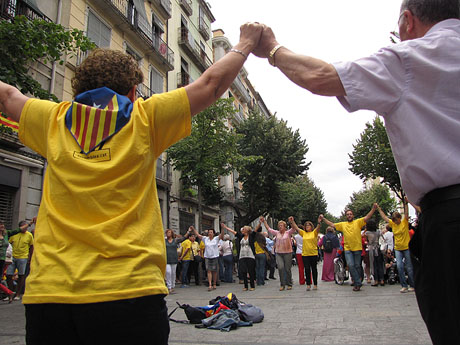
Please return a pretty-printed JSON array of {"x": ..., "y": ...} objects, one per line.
[
  {"x": 210, "y": 288},
  {"x": 245, "y": 289}
]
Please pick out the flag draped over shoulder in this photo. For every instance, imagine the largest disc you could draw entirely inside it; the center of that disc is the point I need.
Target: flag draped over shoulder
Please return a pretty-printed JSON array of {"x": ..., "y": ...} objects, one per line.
[
  {"x": 97, "y": 115},
  {"x": 5, "y": 121}
]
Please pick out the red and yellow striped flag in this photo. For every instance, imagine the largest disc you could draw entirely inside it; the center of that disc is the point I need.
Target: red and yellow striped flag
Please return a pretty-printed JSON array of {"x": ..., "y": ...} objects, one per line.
[{"x": 5, "y": 121}]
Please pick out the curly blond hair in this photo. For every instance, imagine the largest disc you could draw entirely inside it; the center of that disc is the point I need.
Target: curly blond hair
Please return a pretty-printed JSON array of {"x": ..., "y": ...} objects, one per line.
[{"x": 105, "y": 67}]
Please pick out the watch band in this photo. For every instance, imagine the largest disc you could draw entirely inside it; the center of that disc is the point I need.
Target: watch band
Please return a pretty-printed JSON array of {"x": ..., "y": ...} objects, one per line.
[{"x": 271, "y": 55}]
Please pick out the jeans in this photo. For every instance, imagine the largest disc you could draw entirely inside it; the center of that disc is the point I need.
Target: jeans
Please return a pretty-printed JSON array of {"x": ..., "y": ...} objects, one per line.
[
  {"x": 284, "y": 262},
  {"x": 220, "y": 276},
  {"x": 400, "y": 254},
  {"x": 260, "y": 268},
  {"x": 228, "y": 268},
  {"x": 354, "y": 265},
  {"x": 185, "y": 264}
]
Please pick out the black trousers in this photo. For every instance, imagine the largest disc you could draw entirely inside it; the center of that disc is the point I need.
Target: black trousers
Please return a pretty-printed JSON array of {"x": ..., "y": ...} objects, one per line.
[
  {"x": 434, "y": 250},
  {"x": 142, "y": 320},
  {"x": 248, "y": 265},
  {"x": 309, "y": 264}
]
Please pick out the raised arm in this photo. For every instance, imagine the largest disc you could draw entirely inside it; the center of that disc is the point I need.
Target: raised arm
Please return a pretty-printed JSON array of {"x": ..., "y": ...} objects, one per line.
[
  {"x": 371, "y": 212},
  {"x": 327, "y": 221},
  {"x": 320, "y": 219},
  {"x": 264, "y": 222},
  {"x": 222, "y": 225},
  {"x": 293, "y": 223},
  {"x": 192, "y": 228},
  {"x": 11, "y": 101},
  {"x": 382, "y": 214},
  {"x": 217, "y": 78},
  {"x": 416, "y": 207},
  {"x": 317, "y": 76}
]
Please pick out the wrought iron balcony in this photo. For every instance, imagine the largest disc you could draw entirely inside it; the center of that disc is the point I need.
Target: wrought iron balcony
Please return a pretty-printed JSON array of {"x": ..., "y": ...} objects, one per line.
[
  {"x": 193, "y": 50},
  {"x": 186, "y": 6},
  {"x": 240, "y": 90},
  {"x": 183, "y": 79},
  {"x": 203, "y": 28},
  {"x": 12, "y": 8},
  {"x": 164, "y": 171},
  {"x": 143, "y": 91},
  {"x": 164, "y": 6},
  {"x": 123, "y": 14}
]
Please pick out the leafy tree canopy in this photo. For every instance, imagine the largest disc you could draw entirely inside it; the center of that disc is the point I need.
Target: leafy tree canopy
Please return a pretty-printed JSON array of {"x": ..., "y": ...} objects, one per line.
[
  {"x": 301, "y": 199},
  {"x": 279, "y": 155},
  {"x": 361, "y": 202},
  {"x": 372, "y": 157},
  {"x": 24, "y": 41},
  {"x": 209, "y": 152}
]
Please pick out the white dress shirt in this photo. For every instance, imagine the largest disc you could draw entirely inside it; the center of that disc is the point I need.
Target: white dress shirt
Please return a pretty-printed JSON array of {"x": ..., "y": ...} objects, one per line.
[{"x": 415, "y": 86}]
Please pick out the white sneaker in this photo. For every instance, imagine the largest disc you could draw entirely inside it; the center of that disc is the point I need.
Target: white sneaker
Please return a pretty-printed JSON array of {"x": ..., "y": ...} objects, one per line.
[
  {"x": 411, "y": 289},
  {"x": 403, "y": 290}
]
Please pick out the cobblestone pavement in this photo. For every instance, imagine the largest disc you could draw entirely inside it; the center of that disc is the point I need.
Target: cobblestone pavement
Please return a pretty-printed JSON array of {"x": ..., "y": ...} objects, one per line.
[{"x": 331, "y": 315}]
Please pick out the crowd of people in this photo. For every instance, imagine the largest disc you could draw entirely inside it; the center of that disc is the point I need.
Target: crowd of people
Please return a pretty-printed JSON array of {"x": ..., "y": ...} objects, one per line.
[{"x": 378, "y": 256}]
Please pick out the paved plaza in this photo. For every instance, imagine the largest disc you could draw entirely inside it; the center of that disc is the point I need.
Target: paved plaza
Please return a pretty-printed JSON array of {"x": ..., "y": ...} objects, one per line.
[{"x": 331, "y": 315}]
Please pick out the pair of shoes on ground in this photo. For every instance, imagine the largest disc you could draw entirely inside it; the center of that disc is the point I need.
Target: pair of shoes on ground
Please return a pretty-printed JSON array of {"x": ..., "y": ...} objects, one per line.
[
  {"x": 404, "y": 290},
  {"x": 210, "y": 288},
  {"x": 246, "y": 289}
]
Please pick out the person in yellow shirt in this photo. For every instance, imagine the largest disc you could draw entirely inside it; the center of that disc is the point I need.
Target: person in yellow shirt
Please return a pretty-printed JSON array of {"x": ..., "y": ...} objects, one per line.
[
  {"x": 98, "y": 269},
  {"x": 309, "y": 250},
  {"x": 353, "y": 247},
  {"x": 185, "y": 259},
  {"x": 22, "y": 244},
  {"x": 400, "y": 227}
]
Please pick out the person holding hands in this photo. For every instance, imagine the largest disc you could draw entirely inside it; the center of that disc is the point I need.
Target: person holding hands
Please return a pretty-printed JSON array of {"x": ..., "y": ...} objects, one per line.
[
  {"x": 309, "y": 249},
  {"x": 400, "y": 226},
  {"x": 351, "y": 230}
]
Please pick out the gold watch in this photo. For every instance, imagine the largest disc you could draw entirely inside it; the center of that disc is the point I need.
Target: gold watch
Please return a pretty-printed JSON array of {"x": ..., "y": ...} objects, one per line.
[{"x": 271, "y": 56}]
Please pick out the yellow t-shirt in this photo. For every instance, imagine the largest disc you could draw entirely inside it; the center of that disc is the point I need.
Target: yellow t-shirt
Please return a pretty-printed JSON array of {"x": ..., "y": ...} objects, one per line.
[
  {"x": 351, "y": 233},
  {"x": 99, "y": 235},
  {"x": 309, "y": 243},
  {"x": 21, "y": 243},
  {"x": 195, "y": 248},
  {"x": 202, "y": 247},
  {"x": 258, "y": 248},
  {"x": 187, "y": 244},
  {"x": 400, "y": 234}
]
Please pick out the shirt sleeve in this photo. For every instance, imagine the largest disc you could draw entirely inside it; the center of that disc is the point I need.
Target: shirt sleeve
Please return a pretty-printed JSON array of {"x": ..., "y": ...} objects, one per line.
[
  {"x": 169, "y": 116},
  {"x": 339, "y": 226},
  {"x": 34, "y": 123},
  {"x": 374, "y": 83}
]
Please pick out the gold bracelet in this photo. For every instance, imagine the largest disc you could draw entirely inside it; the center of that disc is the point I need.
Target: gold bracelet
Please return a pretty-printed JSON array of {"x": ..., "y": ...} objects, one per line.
[{"x": 239, "y": 52}]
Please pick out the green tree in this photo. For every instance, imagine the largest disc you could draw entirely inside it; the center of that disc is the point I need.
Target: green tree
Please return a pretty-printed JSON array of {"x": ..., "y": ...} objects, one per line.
[
  {"x": 361, "y": 202},
  {"x": 24, "y": 41},
  {"x": 279, "y": 155},
  {"x": 301, "y": 199},
  {"x": 372, "y": 157},
  {"x": 209, "y": 152}
]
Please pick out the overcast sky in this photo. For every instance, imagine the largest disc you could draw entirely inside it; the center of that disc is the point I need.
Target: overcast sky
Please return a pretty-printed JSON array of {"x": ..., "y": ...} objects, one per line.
[{"x": 333, "y": 30}]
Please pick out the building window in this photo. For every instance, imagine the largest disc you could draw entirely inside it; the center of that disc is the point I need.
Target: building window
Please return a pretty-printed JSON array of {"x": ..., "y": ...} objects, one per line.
[
  {"x": 97, "y": 31},
  {"x": 156, "y": 81}
]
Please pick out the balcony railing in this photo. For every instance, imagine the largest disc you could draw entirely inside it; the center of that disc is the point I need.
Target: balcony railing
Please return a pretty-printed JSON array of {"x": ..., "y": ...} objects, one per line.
[
  {"x": 165, "y": 6},
  {"x": 189, "y": 45},
  {"x": 164, "y": 171},
  {"x": 12, "y": 8},
  {"x": 186, "y": 6},
  {"x": 240, "y": 90},
  {"x": 141, "y": 26},
  {"x": 183, "y": 79},
  {"x": 203, "y": 28},
  {"x": 142, "y": 91}
]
